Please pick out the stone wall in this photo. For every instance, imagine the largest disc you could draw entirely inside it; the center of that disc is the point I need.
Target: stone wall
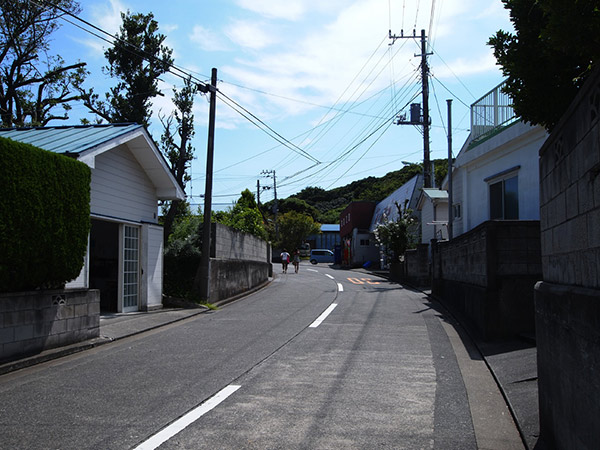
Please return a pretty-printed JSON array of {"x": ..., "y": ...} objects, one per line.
[
  {"x": 228, "y": 243},
  {"x": 239, "y": 263},
  {"x": 488, "y": 274},
  {"x": 31, "y": 322},
  {"x": 568, "y": 300},
  {"x": 415, "y": 269}
]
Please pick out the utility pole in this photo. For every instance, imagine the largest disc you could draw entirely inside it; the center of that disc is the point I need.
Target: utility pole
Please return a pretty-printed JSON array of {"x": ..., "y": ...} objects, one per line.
[
  {"x": 258, "y": 192},
  {"x": 450, "y": 206},
  {"x": 427, "y": 175},
  {"x": 205, "y": 257},
  {"x": 271, "y": 173}
]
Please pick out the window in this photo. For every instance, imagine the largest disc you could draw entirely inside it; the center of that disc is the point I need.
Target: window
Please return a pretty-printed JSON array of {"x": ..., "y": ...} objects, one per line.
[
  {"x": 364, "y": 242},
  {"x": 456, "y": 210},
  {"x": 504, "y": 199}
]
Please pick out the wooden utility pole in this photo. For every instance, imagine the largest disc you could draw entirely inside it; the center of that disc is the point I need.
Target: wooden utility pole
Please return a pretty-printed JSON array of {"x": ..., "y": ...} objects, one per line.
[
  {"x": 427, "y": 172},
  {"x": 450, "y": 206},
  {"x": 204, "y": 269}
]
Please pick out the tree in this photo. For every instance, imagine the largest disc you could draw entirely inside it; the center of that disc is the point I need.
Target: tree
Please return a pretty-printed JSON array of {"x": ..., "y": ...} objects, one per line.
[
  {"x": 138, "y": 58},
  {"x": 244, "y": 216},
  {"x": 397, "y": 236},
  {"x": 176, "y": 145},
  {"x": 548, "y": 59},
  {"x": 295, "y": 227},
  {"x": 32, "y": 82}
]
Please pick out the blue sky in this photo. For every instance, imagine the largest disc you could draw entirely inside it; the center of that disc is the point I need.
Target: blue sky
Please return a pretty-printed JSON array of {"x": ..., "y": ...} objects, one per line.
[{"x": 321, "y": 74}]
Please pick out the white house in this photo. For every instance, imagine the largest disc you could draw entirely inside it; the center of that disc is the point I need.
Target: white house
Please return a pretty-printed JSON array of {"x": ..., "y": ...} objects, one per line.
[
  {"x": 433, "y": 204},
  {"x": 496, "y": 173},
  {"x": 129, "y": 176}
]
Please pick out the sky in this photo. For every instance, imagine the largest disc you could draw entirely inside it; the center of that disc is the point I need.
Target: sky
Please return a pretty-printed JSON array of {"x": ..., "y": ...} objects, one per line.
[{"x": 322, "y": 76}]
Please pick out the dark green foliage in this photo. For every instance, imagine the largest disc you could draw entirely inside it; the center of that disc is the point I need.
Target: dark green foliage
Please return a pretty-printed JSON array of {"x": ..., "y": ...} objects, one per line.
[
  {"x": 182, "y": 257},
  {"x": 243, "y": 216},
  {"x": 136, "y": 62},
  {"x": 45, "y": 211},
  {"x": 294, "y": 228},
  {"x": 298, "y": 205},
  {"x": 548, "y": 59},
  {"x": 329, "y": 204}
]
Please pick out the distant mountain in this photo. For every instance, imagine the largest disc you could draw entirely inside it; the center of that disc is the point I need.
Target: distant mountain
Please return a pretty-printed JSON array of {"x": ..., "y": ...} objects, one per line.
[{"x": 326, "y": 206}]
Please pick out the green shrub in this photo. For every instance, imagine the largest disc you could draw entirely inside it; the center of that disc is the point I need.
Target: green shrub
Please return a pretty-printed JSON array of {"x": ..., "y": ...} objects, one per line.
[{"x": 44, "y": 217}]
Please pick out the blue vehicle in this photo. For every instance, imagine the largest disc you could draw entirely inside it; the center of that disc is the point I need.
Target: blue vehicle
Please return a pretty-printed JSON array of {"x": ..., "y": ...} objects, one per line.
[{"x": 320, "y": 255}]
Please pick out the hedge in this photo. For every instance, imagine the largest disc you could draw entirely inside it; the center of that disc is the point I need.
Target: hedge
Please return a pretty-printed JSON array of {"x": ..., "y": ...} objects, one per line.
[{"x": 44, "y": 217}]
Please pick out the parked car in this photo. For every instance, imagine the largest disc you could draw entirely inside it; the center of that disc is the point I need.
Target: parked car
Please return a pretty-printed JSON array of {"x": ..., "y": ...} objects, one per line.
[{"x": 321, "y": 255}]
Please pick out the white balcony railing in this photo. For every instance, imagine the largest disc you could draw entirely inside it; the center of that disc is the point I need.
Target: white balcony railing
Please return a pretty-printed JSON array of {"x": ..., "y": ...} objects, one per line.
[{"x": 490, "y": 113}]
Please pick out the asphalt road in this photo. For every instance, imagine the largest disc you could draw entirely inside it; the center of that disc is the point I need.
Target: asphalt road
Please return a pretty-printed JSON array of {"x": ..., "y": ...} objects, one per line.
[{"x": 379, "y": 370}]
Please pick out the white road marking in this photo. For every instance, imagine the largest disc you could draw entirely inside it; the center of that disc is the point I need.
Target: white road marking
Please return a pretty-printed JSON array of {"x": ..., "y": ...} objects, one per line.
[
  {"x": 323, "y": 316},
  {"x": 167, "y": 433},
  {"x": 327, "y": 275},
  {"x": 340, "y": 287},
  {"x": 312, "y": 270}
]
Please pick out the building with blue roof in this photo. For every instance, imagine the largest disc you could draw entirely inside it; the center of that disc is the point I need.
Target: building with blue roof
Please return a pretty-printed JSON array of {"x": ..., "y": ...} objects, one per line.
[{"x": 130, "y": 176}]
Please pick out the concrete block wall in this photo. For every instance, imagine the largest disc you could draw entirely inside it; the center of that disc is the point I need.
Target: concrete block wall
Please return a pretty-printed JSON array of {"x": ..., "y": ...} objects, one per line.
[
  {"x": 488, "y": 274},
  {"x": 228, "y": 243},
  {"x": 567, "y": 302},
  {"x": 31, "y": 322}
]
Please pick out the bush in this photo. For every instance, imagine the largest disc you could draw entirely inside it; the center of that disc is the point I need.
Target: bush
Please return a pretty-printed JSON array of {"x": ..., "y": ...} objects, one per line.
[{"x": 45, "y": 217}]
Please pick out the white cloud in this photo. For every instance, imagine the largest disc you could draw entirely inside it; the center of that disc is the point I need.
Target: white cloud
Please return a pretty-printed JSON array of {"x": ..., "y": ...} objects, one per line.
[
  {"x": 106, "y": 16},
  {"x": 207, "y": 39},
  {"x": 251, "y": 35},
  {"x": 276, "y": 9}
]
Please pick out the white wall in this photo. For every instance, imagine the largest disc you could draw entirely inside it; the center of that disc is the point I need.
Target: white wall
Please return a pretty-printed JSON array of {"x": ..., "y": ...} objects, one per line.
[
  {"x": 152, "y": 264},
  {"x": 361, "y": 254},
  {"x": 518, "y": 145},
  {"x": 121, "y": 189}
]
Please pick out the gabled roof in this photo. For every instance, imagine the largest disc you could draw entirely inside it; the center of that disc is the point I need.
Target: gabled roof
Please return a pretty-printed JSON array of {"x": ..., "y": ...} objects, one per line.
[
  {"x": 435, "y": 195},
  {"x": 88, "y": 141}
]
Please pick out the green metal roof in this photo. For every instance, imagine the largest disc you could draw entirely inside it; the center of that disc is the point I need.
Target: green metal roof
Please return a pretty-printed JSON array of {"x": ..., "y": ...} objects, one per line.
[
  {"x": 68, "y": 139},
  {"x": 435, "y": 193}
]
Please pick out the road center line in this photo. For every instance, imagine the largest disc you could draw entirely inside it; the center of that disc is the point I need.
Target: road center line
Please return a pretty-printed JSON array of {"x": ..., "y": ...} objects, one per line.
[
  {"x": 167, "y": 433},
  {"x": 323, "y": 316},
  {"x": 312, "y": 270},
  {"x": 327, "y": 275},
  {"x": 340, "y": 287}
]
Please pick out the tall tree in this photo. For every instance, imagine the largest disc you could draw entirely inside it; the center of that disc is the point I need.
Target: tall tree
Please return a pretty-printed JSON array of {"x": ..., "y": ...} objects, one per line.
[
  {"x": 176, "y": 145},
  {"x": 555, "y": 45},
  {"x": 295, "y": 228},
  {"x": 32, "y": 82},
  {"x": 138, "y": 59}
]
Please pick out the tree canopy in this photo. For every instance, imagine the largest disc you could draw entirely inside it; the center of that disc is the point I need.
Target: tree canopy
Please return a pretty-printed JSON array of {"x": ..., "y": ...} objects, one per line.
[
  {"x": 547, "y": 59},
  {"x": 32, "y": 81},
  {"x": 137, "y": 60}
]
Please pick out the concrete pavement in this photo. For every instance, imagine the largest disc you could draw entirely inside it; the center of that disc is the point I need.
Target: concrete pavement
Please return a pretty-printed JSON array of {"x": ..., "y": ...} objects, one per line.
[{"x": 512, "y": 364}]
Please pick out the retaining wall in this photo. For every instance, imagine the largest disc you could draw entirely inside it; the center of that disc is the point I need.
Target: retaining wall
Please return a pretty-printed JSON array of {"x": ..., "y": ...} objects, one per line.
[
  {"x": 31, "y": 322},
  {"x": 568, "y": 300},
  {"x": 489, "y": 274}
]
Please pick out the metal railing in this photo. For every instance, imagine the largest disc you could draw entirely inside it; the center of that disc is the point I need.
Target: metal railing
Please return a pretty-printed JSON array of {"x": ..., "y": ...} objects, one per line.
[{"x": 492, "y": 111}]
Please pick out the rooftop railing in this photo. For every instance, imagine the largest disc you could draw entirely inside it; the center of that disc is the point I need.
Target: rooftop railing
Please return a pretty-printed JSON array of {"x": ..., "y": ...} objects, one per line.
[{"x": 490, "y": 113}]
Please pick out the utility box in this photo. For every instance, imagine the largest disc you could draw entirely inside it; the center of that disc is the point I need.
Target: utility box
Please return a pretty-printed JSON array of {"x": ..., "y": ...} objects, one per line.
[{"x": 415, "y": 113}]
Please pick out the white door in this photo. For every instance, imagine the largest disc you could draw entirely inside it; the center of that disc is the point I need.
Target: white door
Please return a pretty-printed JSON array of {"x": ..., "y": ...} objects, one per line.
[{"x": 131, "y": 268}]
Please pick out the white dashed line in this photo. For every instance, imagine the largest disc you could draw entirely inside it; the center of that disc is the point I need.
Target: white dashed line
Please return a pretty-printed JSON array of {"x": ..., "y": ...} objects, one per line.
[
  {"x": 312, "y": 270},
  {"x": 167, "y": 433},
  {"x": 340, "y": 287},
  {"x": 323, "y": 316},
  {"x": 327, "y": 275}
]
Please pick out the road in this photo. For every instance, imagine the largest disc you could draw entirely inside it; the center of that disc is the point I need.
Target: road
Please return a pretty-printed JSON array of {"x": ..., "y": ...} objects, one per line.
[{"x": 321, "y": 359}]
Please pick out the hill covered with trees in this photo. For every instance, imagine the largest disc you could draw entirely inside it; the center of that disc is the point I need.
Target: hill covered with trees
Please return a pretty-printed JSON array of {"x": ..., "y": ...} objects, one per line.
[{"x": 325, "y": 206}]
